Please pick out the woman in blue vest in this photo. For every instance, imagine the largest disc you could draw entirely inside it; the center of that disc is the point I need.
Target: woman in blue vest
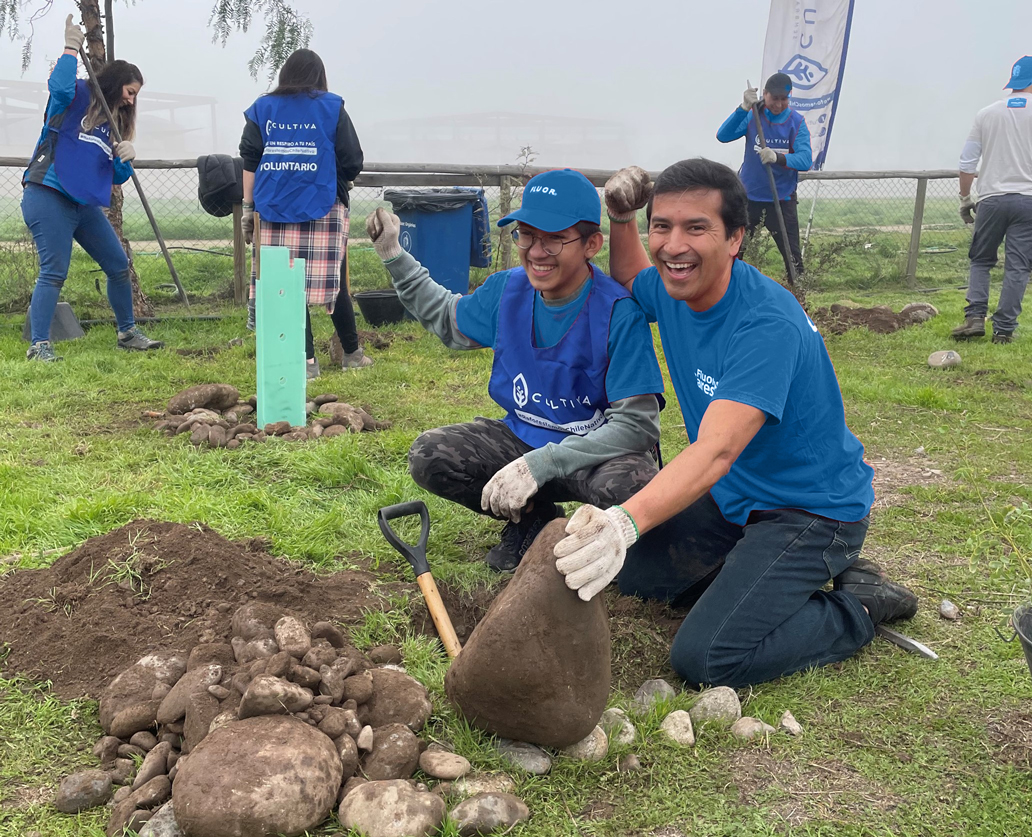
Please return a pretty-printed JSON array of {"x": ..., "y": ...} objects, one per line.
[
  {"x": 787, "y": 153},
  {"x": 574, "y": 370},
  {"x": 67, "y": 183},
  {"x": 300, "y": 151}
]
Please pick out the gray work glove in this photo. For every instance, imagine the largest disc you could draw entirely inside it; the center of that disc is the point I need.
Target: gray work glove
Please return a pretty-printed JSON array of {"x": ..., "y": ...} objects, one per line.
[
  {"x": 247, "y": 221},
  {"x": 768, "y": 156},
  {"x": 74, "y": 36},
  {"x": 750, "y": 97},
  {"x": 967, "y": 208},
  {"x": 124, "y": 151},
  {"x": 508, "y": 491},
  {"x": 626, "y": 192},
  {"x": 593, "y": 551},
  {"x": 384, "y": 229}
]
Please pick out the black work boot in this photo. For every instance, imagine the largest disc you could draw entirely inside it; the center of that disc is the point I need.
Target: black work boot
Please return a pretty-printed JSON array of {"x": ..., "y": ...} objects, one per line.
[
  {"x": 517, "y": 537},
  {"x": 1003, "y": 336},
  {"x": 860, "y": 570},
  {"x": 973, "y": 327},
  {"x": 885, "y": 600}
]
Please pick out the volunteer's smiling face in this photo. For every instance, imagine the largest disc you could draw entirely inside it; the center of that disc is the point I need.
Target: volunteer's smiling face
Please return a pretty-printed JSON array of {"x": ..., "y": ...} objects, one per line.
[
  {"x": 690, "y": 248},
  {"x": 775, "y": 103},
  {"x": 556, "y": 262},
  {"x": 130, "y": 92}
]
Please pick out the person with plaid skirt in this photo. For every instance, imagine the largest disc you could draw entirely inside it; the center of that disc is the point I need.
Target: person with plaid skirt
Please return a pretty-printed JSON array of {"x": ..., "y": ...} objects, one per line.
[{"x": 300, "y": 151}]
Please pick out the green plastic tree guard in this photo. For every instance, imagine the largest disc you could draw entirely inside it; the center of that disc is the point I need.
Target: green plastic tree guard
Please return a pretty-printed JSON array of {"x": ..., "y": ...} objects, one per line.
[{"x": 280, "y": 338}]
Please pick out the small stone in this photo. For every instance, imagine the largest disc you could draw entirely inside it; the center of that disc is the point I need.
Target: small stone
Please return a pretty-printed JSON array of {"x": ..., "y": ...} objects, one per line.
[
  {"x": 394, "y": 754},
  {"x": 652, "y": 691},
  {"x": 155, "y": 792},
  {"x": 121, "y": 794},
  {"x": 486, "y": 813},
  {"x": 525, "y": 756},
  {"x": 144, "y": 740},
  {"x": 162, "y": 823},
  {"x": 719, "y": 704},
  {"x": 137, "y": 820},
  {"x": 789, "y": 724},
  {"x": 748, "y": 728},
  {"x": 272, "y": 696},
  {"x": 948, "y": 610},
  {"x": 131, "y": 751},
  {"x": 106, "y": 748},
  {"x": 628, "y": 763},
  {"x": 120, "y": 770},
  {"x": 484, "y": 783},
  {"x": 943, "y": 359},
  {"x": 156, "y": 764},
  {"x": 218, "y": 692},
  {"x": 319, "y": 656},
  {"x": 358, "y": 687},
  {"x": 349, "y": 785},
  {"x": 331, "y": 633},
  {"x": 391, "y": 809},
  {"x": 384, "y": 654},
  {"x": 677, "y": 726},
  {"x": 348, "y": 752},
  {"x": 292, "y": 637},
  {"x": 593, "y": 747},
  {"x": 83, "y": 790},
  {"x": 365, "y": 738},
  {"x": 331, "y": 721},
  {"x": 443, "y": 765},
  {"x": 618, "y": 726}
]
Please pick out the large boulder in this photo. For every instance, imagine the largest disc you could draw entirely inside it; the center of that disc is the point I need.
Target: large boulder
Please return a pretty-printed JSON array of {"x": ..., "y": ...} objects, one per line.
[
  {"x": 261, "y": 776},
  {"x": 135, "y": 687},
  {"x": 537, "y": 667}
]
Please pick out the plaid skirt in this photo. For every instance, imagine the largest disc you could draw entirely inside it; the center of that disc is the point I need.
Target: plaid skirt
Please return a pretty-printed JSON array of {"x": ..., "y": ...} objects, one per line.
[{"x": 321, "y": 243}]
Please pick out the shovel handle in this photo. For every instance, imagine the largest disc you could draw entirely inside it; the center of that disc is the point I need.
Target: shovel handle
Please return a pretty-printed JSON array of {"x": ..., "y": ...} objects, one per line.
[
  {"x": 414, "y": 553},
  {"x": 439, "y": 614}
]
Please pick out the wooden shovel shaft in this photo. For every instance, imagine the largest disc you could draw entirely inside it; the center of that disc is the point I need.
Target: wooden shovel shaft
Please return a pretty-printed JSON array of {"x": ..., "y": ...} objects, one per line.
[{"x": 439, "y": 614}]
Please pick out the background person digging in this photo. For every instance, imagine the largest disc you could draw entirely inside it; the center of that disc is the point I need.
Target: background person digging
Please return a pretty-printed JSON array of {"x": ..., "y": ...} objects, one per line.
[
  {"x": 1002, "y": 139},
  {"x": 770, "y": 500},
  {"x": 574, "y": 369},
  {"x": 787, "y": 153}
]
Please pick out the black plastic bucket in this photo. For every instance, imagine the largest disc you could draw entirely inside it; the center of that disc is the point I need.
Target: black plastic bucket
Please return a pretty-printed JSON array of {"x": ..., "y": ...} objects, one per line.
[
  {"x": 380, "y": 307},
  {"x": 1021, "y": 621}
]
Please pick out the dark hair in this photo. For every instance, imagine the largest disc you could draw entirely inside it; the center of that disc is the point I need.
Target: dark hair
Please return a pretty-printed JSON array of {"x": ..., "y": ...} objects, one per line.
[
  {"x": 700, "y": 173},
  {"x": 302, "y": 72},
  {"x": 586, "y": 229},
  {"x": 112, "y": 79}
]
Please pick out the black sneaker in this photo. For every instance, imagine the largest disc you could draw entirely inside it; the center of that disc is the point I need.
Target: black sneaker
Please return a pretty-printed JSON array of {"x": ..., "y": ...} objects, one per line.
[
  {"x": 517, "y": 538},
  {"x": 1003, "y": 337},
  {"x": 42, "y": 351},
  {"x": 885, "y": 600},
  {"x": 135, "y": 340}
]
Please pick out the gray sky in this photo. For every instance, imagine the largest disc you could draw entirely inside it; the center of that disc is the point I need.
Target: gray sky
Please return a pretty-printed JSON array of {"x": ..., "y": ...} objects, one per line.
[{"x": 662, "y": 75}]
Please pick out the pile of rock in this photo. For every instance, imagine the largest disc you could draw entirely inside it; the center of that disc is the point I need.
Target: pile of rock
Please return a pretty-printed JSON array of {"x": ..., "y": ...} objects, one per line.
[
  {"x": 214, "y": 415},
  {"x": 265, "y": 734}
]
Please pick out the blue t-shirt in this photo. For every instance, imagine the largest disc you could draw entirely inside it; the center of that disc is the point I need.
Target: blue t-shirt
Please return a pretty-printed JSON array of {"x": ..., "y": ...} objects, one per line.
[
  {"x": 633, "y": 368},
  {"x": 757, "y": 347}
]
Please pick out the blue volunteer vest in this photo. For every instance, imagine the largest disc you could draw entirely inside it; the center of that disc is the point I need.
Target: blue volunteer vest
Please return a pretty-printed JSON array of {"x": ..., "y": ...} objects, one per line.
[
  {"x": 296, "y": 179},
  {"x": 551, "y": 393},
  {"x": 780, "y": 137},
  {"x": 83, "y": 161}
]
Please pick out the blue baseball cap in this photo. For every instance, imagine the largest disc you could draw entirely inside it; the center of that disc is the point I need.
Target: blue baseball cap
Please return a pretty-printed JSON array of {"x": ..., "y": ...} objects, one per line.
[
  {"x": 1021, "y": 74},
  {"x": 556, "y": 200}
]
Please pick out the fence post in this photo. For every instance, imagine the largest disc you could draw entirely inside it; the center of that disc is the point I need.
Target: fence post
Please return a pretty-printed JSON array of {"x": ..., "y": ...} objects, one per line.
[
  {"x": 915, "y": 231},
  {"x": 504, "y": 208},
  {"x": 241, "y": 287}
]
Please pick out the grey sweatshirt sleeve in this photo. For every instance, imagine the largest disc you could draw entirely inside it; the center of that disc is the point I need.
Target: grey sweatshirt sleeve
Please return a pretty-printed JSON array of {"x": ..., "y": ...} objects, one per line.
[
  {"x": 432, "y": 304},
  {"x": 632, "y": 426}
]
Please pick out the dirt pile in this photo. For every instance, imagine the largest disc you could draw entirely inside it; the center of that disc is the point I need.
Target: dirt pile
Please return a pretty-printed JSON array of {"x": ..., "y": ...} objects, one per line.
[
  {"x": 153, "y": 585},
  {"x": 881, "y": 319}
]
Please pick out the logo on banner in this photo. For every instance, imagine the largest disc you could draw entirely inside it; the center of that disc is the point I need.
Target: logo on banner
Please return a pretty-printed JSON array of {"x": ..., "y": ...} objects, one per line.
[
  {"x": 520, "y": 390},
  {"x": 805, "y": 72}
]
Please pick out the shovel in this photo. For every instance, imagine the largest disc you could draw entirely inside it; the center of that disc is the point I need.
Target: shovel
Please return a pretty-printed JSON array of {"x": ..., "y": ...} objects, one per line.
[{"x": 415, "y": 554}]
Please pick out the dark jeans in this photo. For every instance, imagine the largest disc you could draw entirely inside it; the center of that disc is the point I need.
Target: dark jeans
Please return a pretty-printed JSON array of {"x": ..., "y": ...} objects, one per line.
[
  {"x": 997, "y": 217},
  {"x": 456, "y": 462},
  {"x": 760, "y": 211},
  {"x": 343, "y": 318},
  {"x": 758, "y": 610},
  {"x": 54, "y": 221}
]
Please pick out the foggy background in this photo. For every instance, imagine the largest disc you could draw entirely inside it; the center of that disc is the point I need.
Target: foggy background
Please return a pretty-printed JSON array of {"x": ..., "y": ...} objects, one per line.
[{"x": 598, "y": 85}]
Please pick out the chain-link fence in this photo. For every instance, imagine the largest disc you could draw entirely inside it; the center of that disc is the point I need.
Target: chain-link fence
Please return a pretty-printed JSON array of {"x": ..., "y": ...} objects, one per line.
[{"x": 859, "y": 230}]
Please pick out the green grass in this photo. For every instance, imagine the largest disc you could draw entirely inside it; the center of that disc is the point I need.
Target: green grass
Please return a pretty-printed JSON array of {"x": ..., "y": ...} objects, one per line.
[{"x": 893, "y": 744}]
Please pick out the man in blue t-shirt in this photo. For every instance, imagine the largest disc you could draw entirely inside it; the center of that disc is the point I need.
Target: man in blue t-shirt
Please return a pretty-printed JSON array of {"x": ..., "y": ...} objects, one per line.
[
  {"x": 770, "y": 500},
  {"x": 574, "y": 370},
  {"x": 787, "y": 153}
]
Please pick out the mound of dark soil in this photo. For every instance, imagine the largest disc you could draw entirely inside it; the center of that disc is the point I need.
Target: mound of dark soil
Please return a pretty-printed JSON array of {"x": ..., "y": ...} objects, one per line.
[{"x": 151, "y": 585}]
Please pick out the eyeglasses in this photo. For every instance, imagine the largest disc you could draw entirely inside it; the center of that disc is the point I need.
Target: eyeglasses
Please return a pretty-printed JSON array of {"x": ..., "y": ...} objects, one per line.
[{"x": 551, "y": 244}]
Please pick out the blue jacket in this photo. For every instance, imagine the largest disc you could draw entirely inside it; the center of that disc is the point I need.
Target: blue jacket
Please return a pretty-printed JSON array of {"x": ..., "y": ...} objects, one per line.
[{"x": 786, "y": 134}]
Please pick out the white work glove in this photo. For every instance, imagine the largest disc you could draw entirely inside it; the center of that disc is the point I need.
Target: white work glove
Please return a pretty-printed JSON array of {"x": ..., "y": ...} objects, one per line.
[
  {"x": 507, "y": 492},
  {"x": 750, "y": 97},
  {"x": 384, "y": 229},
  {"x": 626, "y": 192},
  {"x": 967, "y": 208},
  {"x": 247, "y": 221},
  {"x": 74, "y": 36},
  {"x": 124, "y": 151},
  {"x": 593, "y": 551},
  {"x": 767, "y": 156}
]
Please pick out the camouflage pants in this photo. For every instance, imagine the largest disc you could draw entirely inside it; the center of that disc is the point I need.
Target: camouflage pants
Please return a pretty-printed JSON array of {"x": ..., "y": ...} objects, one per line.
[{"x": 456, "y": 462}]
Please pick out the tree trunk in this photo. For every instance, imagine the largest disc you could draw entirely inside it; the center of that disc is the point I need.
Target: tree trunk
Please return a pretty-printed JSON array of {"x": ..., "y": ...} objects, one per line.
[{"x": 92, "y": 22}]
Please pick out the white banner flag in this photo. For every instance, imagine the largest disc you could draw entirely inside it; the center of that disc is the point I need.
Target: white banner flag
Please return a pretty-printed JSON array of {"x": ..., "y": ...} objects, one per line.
[{"x": 807, "y": 40}]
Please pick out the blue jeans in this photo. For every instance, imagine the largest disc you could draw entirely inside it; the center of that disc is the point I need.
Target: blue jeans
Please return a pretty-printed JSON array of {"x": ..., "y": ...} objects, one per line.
[
  {"x": 54, "y": 221},
  {"x": 757, "y": 608}
]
